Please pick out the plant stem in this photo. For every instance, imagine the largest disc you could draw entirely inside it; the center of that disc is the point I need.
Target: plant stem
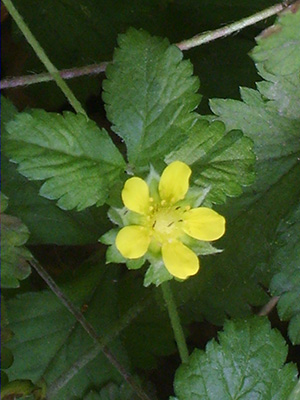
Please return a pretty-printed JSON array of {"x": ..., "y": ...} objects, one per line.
[
  {"x": 93, "y": 351},
  {"x": 267, "y": 308},
  {"x": 70, "y": 73},
  {"x": 175, "y": 322},
  {"x": 227, "y": 30},
  {"x": 197, "y": 40},
  {"x": 295, "y": 395},
  {"x": 39, "y": 51},
  {"x": 89, "y": 329}
]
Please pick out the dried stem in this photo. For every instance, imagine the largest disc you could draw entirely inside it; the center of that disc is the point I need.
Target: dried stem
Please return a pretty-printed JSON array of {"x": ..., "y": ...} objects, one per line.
[
  {"x": 89, "y": 329},
  {"x": 267, "y": 308},
  {"x": 227, "y": 30},
  {"x": 93, "y": 69},
  {"x": 195, "y": 41},
  {"x": 93, "y": 352}
]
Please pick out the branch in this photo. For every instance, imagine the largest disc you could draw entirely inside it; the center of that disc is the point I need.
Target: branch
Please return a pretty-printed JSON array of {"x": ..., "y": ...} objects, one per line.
[
  {"x": 267, "y": 308},
  {"x": 39, "y": 51},
  {"x": 89, "y": 329},
  {"x": 93, "y": 352},
  {"x": 195, "y": 41},
  {"x": 227, "y": 30},
  {"x": 93, "y": 69}
]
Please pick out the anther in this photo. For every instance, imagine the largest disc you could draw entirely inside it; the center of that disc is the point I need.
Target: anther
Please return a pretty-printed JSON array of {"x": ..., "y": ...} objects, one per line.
[{"x": 163, "y": 202}]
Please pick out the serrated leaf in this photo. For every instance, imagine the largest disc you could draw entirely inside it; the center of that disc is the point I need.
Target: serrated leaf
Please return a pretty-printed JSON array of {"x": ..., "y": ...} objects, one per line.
[
  {"x": 78, "y": 160},
  {"x": 46, "y": 222},
  {"x": 149, "y": 95},
  {"x": 246, "y": 364},
  {"x": 228, "y": 283},
  {"x": 286, "y": 283},
  {"x": 221, "y": 161},
  {"x": 48, "y": 340},
  {"x": 156, "y": 274},
  {"x": 14, "y": 256},
  {"x": 278, "y": 45}
]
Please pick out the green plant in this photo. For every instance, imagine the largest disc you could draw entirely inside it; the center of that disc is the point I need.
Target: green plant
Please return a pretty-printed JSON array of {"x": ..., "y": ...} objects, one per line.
[{"x": 155, "y": 188}]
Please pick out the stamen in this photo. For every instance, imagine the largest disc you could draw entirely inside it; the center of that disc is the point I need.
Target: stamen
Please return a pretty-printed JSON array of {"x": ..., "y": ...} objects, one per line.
[
  {"x": 151, "y": 199},
  {"x": 163, "y": 202}
]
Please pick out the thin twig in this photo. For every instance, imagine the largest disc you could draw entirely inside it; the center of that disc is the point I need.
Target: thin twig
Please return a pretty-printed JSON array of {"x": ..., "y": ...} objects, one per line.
[
  {"x": 195, "y": 41},
  {"x": 39, "y": 51},
  {"x": 267, "y": 308},
  {"x": 93, "y": 352},
  {"x": 88, "y": 328},
  {"x": 227, "y": 30},
  {"x": 93, "y": 69}
]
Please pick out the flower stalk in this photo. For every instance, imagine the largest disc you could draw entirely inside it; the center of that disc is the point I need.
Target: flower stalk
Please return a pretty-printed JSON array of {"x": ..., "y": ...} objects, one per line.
[{"x": 175, "y": 322}]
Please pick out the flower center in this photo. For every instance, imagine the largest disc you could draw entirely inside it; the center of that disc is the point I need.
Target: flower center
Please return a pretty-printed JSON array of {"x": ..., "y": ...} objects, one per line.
[{"x": 166, "y": 223}]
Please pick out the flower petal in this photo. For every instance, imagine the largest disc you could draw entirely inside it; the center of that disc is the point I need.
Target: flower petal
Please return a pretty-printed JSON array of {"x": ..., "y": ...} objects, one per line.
[
  {"x": 203, "y": 224},
  {"x": 133, "y": 241},
  {"x": 174, "y": 182},
  {"x": 179, "y": 260},
  {"x": 135, "y": 195}
]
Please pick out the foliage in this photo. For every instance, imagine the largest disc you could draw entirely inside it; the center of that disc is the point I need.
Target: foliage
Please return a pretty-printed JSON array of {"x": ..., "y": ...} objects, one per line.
[
  {"x": 286, "y": 283},
  {"x": 14, "y": 255},
  {"x": 233, "y": 368},
  {"x": 63, "y": 174}
]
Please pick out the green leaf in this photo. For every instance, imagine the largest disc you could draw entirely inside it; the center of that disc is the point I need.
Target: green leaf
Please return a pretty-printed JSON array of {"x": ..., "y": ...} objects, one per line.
[
  {"x": 149, "y": 336},
  {"x": 14, "y": 256},
  {"x": 278, "y": 45},
  {"x": 247, "y": 363},
  {"x": 18, "y": 388},
  {"x": 157, "y": 273},
  {"x": 229, "y": 282},
  {"x": 4, "y": 202},
  {"x": 78, "y": 160},
  {"x": 111, "y": 391},
  {"x": 221, "y": 161},
  {"x": 149, "y": 95},
  {"x": 286, "y": 283},
  {"x": 46, "y": 222},
  {"x": 48, "y": 340}
]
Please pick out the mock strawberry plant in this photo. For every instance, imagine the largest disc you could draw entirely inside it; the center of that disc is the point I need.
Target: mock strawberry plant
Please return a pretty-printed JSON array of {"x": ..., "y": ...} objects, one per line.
[{"x": 155, "y": 216}]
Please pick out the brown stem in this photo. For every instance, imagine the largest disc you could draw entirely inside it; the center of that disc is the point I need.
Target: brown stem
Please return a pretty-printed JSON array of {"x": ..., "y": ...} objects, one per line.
[
  {"x": 71, "y": 73},
  {"x": 267, "y": 308},
  {"x": 195, "y": 41},
  {"x": 88, "y": 328}
]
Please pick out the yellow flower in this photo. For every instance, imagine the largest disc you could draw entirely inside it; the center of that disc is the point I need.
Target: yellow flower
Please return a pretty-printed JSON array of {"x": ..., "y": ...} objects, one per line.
[{"x": 165, "y": 221}]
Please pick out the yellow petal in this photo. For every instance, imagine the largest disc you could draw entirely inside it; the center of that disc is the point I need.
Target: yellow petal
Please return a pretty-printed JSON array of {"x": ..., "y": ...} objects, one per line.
[
  {"x": 133, "y": 241},
  {"x": 203, "y": 224},
  {"x": 174, "y": 182},
  {"x": 135, "y": 195},
  {"x": 179, "y": 260}
]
